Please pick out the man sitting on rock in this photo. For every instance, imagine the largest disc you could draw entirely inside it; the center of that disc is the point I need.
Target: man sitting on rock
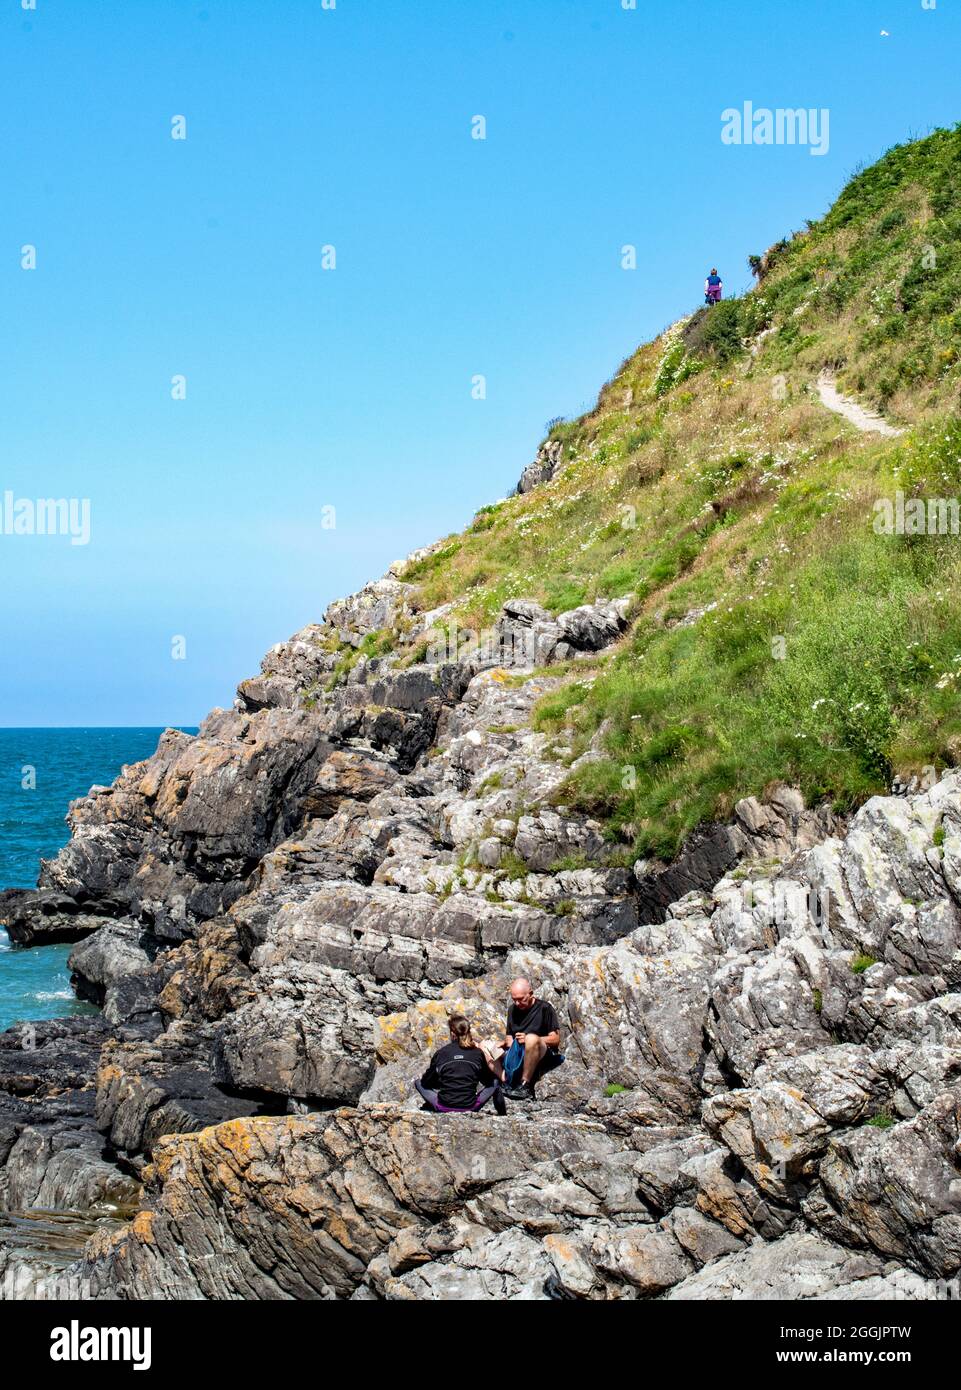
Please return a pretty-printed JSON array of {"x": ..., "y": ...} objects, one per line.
[
  {"x": 449, "y": 1085},
  {"x": 530, "y": 1045}
]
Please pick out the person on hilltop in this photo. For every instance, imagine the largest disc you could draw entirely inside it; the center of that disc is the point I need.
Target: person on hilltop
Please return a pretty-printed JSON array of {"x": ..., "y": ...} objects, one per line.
[
  {"x": 449, "y": 1085},
  {"x": 530, "y": 1046},
  {"x": 713, "y": 286}
]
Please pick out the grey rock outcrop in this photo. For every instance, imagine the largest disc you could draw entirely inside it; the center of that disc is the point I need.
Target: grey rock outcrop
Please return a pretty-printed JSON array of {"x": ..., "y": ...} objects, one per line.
[
  {"x": 527, "y": 635},
  {"x": 544, "y": 467},
  {"x": 775, "y": 830}
]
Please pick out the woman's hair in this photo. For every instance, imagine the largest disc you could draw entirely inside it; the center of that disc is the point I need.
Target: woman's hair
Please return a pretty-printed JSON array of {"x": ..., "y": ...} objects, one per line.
[{"x": 460, "y": 1029}]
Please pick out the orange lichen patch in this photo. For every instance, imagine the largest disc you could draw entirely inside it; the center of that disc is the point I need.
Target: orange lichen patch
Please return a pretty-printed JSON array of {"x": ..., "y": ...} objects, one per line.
[
  {"x": 417, "y": 1029},
  {"x": 142, "y": 1227},
  {"x": 560, "y": 1247},
  {"x": 234, "y": 1135},
  {"x": 235, "y": 1144},
  {"x": 164, "y": 1157},
  {"x": 227, "y": 1176},
  {"x": 338, "y": 1229},
  {"x": 339, "y": 1143},
  {"x": 176, "y": 1201},
  {"x": 294, "y": 1127},
  {"x": 386, "y": 1030},
  {"x": 149, "y": 785}
]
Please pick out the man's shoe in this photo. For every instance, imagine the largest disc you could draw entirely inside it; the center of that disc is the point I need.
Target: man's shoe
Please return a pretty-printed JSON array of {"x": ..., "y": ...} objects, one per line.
[
  {"x": 519, "y": 1093},
  {"x": 500, "y": 1104}
]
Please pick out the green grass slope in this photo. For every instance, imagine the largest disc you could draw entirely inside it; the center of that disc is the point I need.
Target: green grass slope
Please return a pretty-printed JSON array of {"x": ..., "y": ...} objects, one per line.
[{"x": 776, "y": 636}]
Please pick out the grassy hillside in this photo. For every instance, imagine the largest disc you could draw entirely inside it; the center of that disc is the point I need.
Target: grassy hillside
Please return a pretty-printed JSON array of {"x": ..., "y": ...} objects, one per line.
[{"x": 776, "y": 635}]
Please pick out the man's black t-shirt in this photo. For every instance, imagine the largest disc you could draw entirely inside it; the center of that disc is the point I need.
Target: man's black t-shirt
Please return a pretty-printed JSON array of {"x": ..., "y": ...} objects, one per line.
[
  {"x": 540, "y": 1019},
  {"x": 455, "y": 1072}
]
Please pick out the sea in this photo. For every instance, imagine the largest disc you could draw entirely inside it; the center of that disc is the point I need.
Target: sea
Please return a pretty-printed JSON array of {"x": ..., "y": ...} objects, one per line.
[{"x": 41, "y": 772}]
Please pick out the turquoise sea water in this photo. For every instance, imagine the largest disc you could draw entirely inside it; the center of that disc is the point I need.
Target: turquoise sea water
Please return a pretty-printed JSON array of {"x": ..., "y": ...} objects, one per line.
[{"x": 66, "y": 763}]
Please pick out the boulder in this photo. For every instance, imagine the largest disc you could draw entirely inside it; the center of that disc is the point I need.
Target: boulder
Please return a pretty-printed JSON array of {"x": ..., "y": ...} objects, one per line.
[
  {"x": 799, "y": 1266},
  {"x": 897, "y": 1190},
  {"x": 544, "y": 467},
  {"x": 113, "y": 968}
]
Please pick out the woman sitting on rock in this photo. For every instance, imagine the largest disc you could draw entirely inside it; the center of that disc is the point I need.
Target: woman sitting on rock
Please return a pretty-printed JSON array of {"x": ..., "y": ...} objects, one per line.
[{"x": 449, "y": 1085}]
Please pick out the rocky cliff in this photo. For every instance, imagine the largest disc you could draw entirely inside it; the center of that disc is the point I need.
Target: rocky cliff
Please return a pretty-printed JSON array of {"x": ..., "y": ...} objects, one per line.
[
  {"x": 623, "y": 736},
  {"x": 762, "y": 1094}
]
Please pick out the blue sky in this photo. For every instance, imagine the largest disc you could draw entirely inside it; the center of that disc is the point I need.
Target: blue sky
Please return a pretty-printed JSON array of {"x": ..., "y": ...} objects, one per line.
[{"x": 351, "y": 388}]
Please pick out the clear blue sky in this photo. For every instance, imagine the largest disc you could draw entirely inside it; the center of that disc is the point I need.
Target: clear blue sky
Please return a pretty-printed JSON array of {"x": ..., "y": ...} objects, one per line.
[{"x": 352, "y": 388}]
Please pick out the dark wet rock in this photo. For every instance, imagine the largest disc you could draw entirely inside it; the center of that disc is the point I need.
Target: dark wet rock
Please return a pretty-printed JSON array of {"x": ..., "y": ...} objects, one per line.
[
  {"x": 44, "y": 917},
  {"x": 52, "y": 1155},
  {"x": 707, "y": 856},
  {"x": 48, "y": 1056},
  {"x": 146, "y": 1089}
]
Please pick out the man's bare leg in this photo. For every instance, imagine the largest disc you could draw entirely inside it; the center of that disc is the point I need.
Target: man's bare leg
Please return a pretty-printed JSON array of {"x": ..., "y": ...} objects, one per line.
[{"x": 534, "y": 1049}]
